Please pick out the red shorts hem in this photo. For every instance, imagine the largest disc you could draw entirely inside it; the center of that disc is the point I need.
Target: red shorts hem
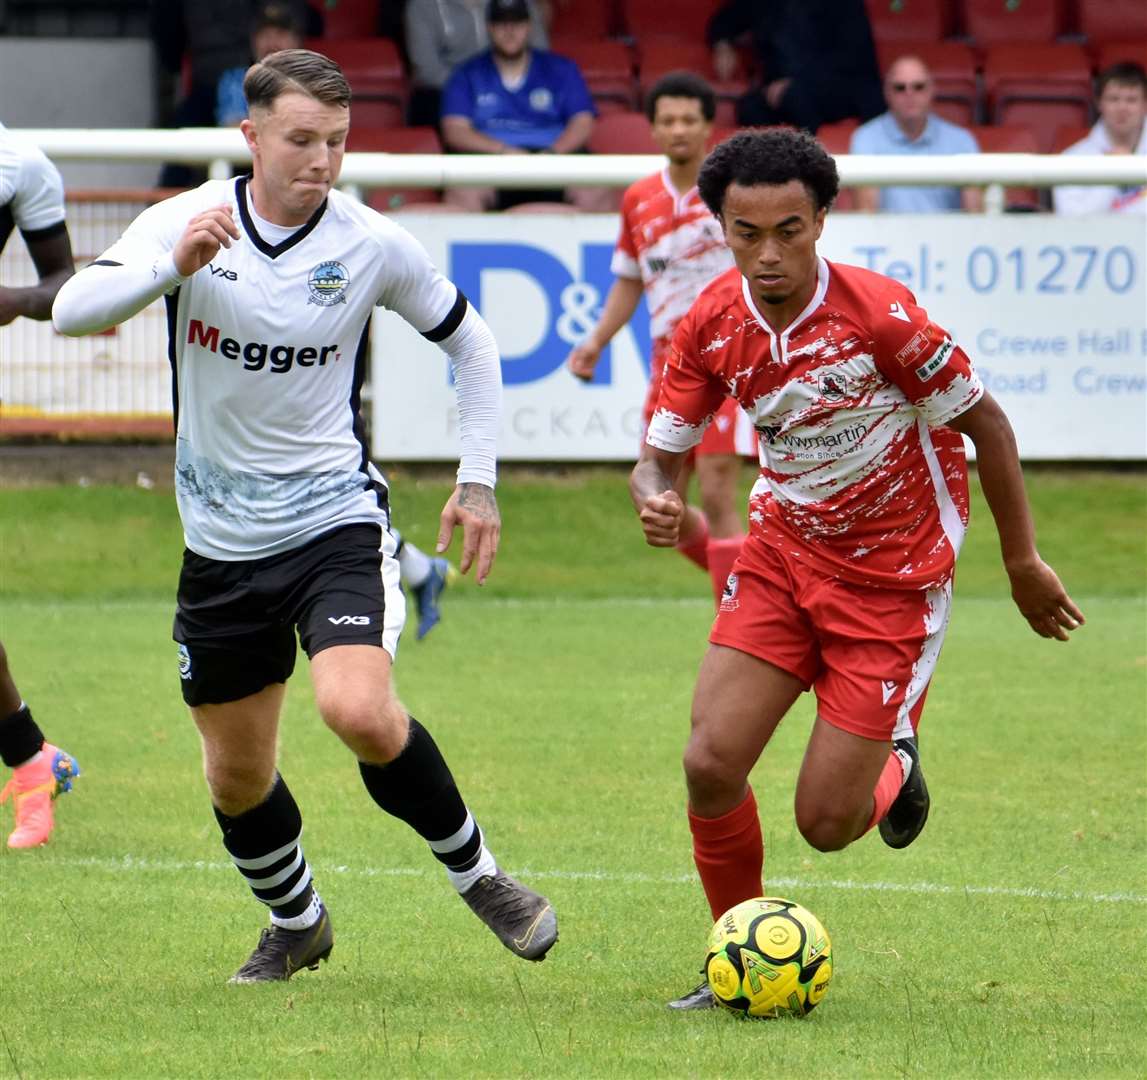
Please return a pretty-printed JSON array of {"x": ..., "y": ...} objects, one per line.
[
  {"x": 876, "y": 733},
  {"x": 730, "y": 642}
]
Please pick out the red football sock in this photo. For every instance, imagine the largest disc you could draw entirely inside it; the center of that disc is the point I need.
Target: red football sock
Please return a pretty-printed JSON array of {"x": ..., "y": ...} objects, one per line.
[
  {"x": 730, "y": 855},
  {"x": 696, "y": 547},
  {"x": 722, "y": 555},
  {"x": 887, "y": 788}
]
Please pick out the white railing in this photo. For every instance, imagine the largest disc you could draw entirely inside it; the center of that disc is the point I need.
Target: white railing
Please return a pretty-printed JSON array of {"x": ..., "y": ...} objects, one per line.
[{"x": 219, "y": 148}]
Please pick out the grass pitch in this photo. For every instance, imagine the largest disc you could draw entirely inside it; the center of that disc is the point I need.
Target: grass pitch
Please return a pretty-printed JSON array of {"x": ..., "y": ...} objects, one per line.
[{"x": 1010, "y": 940}]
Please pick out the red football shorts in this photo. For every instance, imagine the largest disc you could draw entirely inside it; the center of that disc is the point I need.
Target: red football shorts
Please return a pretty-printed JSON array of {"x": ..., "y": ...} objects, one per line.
[
  {"x": 867, "y": 653},
  {"x": 730, "y": 432}
]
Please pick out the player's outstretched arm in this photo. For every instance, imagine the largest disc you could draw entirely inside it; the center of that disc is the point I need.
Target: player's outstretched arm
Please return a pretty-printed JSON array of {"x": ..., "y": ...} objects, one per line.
[
  {"x": 110, "y": 291},
  {"x": 651, "y": 486},
  {"x": 620, "y": 304},
  {"x": 1036, "y": 589},
  {"x": 474, "y": 507},
  {"x": 52, "y": 257}
]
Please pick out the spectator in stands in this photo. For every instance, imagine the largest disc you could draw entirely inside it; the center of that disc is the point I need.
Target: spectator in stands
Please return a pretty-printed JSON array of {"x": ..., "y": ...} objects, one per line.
[
  {"x": 817, "y": 59},
  {"x": 1121, "y": 129},
  {"x": 274, "y": 28},
  {"x": 512, "y": 99},
  {"x": 197, "y": 41},
  {"x": 440, "y": 35},
  {"x": 911, "y": 127}
]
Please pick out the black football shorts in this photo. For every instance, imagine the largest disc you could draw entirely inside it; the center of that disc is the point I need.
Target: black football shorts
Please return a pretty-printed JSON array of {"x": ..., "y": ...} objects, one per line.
[{"x": 236, "y": 621}]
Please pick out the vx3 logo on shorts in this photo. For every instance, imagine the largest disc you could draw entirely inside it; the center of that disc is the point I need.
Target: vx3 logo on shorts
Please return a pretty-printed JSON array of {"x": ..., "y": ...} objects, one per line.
[{"x": 349, "y": 620}]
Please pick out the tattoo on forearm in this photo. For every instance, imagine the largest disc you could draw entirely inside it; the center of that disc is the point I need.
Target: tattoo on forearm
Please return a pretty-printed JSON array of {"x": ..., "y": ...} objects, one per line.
[{"x": 480, "y": 501}]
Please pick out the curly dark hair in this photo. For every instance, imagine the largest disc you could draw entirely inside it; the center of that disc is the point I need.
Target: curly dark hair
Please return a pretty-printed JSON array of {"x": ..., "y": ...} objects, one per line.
[
  {"x": 682, "y": 84},
  {"x": 768, "y": 156}
]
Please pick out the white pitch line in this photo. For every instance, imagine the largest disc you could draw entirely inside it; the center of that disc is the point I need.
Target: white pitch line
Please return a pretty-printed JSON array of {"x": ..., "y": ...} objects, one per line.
[{"x": 136, "y": 864}]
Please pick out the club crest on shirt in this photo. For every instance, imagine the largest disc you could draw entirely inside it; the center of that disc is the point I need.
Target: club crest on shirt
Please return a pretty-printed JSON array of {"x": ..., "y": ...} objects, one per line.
[
  {"x": 327, "y": 284},
  {"x": 729, "y": 601},
  {"x": 832, "y": 385},
  {"x": 541, "y": 99}
]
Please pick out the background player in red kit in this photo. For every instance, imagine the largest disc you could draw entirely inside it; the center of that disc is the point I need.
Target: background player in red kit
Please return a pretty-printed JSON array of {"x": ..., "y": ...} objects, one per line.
[
  {"x": 670, "y": 248},
  {"x": 844, "y": 582}
]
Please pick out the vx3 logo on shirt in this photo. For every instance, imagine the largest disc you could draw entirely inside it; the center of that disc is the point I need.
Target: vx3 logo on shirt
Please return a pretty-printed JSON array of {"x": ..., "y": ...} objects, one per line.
[{"x": 223, "y": 272}]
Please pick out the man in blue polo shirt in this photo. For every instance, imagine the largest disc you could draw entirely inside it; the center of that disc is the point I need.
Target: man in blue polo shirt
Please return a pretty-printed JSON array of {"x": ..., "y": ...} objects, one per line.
[
  {"x": 512, "y": 99},
  {"x": 910, "y": 127}
]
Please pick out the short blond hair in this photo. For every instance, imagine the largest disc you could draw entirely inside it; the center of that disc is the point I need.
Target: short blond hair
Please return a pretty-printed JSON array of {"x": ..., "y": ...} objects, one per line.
[{"x": 298, "y": 70}]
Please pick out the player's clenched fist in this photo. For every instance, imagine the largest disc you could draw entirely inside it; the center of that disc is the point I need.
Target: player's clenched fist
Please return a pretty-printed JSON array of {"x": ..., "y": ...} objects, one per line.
[
  {"x": 661, "y": 517},
  {"x": 582, "y": 360},
  {"x": 205, "y": 234}
]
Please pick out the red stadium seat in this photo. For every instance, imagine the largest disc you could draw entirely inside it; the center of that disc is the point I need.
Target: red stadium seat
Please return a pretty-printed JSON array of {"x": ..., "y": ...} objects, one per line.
[
  {"x": 1113, "y": 20},
  {"x": 953, "y": 68},
  {"x": 583, "y": 18},
  {"x": 622, "y": 133},
  {"x": 1042, "y": 87},
  {"x": 1120, "y": 52},
  {"x": 606, "y": 66},
  {"x": 396, "y": 140},
  {"x": 687, "y": 19},
  {"x": 374, "y": 70},
  {"x": 1000, "y": 22},
  {"x": 835, "y": 139},
  {"x": 1006, "y": 139},
  {"x": 1067, "y": 136},
  {"x": 658, "y": 55},
  {"x": 350, "y": 19},
  {"x": 909, "y": 20}
]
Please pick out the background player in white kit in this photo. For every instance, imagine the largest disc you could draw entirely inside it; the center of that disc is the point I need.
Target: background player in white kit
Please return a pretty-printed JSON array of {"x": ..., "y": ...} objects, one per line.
[
  {"x": 270, "y": 283},
  {"x": 669, "y": 248},
  {"x": 32, "y": 200}
]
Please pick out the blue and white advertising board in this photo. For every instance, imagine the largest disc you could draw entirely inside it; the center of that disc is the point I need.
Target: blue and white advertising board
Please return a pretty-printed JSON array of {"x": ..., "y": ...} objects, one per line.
[{"x": 1053, "y": 311}]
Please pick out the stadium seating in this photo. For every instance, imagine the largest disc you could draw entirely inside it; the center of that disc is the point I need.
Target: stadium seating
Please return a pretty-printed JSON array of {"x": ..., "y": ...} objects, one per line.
[
  {"x": 658, "y": 55},
  {"x": 1113, "y": 21},
  {"x": 350, "y": 19},
  {"x": 1006, "y": 22},
  {"x": 1119, "y": 52},
  {"x": 1042, "y": 87},
  {"x": 373, "y": 67},
  {"x": 1008, "y": 139},
  {"x": 953, "y": 68},
  {"x": 594, "y": 19},
  {"x": 396, "y": 140},
  {"x": 622, "y": 133},
  {"x": 606, "y": 66},
  {"x": 1066, "y": 136},
  {"x": 835, "y": 139},
  {"x": 895, "y": 21},
  {"x": 686, "y": 19}
]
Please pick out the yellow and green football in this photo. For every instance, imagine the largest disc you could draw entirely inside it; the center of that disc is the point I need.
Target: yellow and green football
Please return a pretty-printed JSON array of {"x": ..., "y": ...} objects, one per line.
[{"x": 768, "y": 957}]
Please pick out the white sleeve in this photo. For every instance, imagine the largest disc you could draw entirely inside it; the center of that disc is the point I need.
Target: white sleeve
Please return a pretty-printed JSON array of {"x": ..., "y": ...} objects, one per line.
[
  {"x": 1077, "y": 200},
  {"x": 38, "y": 198},
  {"x": 478, "y": 381},
  {"x": 137, "y": 269}
]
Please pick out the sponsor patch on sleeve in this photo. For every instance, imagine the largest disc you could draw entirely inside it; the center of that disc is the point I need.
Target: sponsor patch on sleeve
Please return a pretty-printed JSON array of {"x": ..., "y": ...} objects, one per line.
[
  {"x": 936, "y": 361},
  {"x": 917, "y": 346}
]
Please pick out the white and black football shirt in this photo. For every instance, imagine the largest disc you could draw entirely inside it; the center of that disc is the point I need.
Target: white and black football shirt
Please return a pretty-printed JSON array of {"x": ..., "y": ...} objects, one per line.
[
  {"x": 268, "y": 346},
  {"x": 31, "y": 191}
]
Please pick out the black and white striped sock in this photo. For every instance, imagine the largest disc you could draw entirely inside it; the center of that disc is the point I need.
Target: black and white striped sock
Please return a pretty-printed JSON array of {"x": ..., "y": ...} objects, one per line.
[
  {"x": 263, "y": 842},
  {"x": 418, "y": 787}
]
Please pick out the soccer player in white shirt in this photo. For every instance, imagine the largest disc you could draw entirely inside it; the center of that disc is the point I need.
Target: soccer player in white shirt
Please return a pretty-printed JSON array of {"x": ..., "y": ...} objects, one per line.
[
  {"x": 32, "y": 200},
  {"x": 270, "y": 283},
  {"x": 1121, "y": 129}
]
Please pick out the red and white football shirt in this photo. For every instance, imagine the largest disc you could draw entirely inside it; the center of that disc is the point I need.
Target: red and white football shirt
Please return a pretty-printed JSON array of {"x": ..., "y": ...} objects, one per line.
[
  {"x": 673, "y": 243},
  {"x": 859, "y": 476}
]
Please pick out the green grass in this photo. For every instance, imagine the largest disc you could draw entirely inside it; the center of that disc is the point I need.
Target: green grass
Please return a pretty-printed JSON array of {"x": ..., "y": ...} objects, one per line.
[{"x": 1011, "y": 940}]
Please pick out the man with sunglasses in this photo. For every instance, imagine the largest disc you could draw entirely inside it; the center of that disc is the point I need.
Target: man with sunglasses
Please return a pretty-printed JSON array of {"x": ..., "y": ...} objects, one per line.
[{"x": 911, "y": 127}]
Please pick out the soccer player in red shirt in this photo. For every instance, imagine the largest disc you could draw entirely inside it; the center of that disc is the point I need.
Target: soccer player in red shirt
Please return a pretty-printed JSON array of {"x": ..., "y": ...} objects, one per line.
[
  {"x": 670, "y": 247},
  {"x": 844, "y": 582}
]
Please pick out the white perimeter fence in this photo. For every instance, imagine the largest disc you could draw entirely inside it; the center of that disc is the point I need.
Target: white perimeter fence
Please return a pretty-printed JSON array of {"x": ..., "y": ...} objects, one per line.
[{"x": 1053, "y": 310}]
